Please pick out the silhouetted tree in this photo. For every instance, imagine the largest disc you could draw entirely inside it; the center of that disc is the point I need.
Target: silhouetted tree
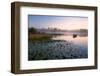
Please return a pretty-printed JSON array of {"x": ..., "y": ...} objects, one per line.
[{"x": 32, "y": 30}]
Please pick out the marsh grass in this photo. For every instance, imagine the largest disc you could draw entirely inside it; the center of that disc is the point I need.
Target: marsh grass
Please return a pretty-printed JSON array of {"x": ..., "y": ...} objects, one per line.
[
  {"x": 54, "y": 49},
  {"x": 39, "y": 37}
]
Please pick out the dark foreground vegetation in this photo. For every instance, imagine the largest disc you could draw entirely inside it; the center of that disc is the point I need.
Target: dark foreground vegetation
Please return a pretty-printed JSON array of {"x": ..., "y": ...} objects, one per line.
[{"x": 55, "y": 50}]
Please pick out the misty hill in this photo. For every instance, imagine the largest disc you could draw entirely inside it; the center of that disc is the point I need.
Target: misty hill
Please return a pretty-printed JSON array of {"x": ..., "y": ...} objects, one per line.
[{"x": 57, "y": 31}]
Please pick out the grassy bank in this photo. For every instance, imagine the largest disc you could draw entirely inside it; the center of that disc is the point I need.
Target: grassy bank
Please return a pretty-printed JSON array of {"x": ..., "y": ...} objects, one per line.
[{"x": 39, "y": 37}]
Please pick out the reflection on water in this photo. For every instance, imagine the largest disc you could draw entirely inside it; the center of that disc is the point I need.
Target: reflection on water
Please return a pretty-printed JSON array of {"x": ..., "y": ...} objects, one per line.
[
  {"x": 79, "y": 40},
  {"x": 60, "y": 47}
]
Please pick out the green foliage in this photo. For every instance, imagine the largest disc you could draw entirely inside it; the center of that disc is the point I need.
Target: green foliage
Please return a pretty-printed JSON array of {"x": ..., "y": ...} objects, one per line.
[{"x": 39, "y": 37}]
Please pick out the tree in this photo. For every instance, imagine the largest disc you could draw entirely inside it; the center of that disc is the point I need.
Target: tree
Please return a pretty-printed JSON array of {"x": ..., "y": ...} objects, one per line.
[{"x": 32, "y": 30}]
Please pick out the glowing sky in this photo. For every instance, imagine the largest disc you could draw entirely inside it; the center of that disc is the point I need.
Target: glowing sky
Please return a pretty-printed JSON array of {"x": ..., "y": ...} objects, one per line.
[{"x": 60, "y": 22}]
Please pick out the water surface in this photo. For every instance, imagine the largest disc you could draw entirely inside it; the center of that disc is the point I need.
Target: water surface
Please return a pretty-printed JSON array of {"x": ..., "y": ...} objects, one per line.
[{"x": 60, "y": 47}]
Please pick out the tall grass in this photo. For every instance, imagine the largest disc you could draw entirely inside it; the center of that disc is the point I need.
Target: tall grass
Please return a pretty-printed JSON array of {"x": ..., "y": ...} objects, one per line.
[{"x": 39, "y": 37}]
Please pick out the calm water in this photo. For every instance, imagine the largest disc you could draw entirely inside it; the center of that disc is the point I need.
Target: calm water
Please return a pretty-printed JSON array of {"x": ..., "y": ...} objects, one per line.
[
  {"x": 79, "y": 40},
  {"x": 62, "y": 47}
]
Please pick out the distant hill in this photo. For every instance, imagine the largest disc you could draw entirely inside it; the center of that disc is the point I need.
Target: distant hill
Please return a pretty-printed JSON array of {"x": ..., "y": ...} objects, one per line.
[{"x": 58, "y": 31}]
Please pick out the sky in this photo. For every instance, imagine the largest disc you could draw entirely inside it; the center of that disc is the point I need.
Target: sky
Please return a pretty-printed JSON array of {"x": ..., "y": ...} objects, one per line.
[{"x": 59, "y": 22}]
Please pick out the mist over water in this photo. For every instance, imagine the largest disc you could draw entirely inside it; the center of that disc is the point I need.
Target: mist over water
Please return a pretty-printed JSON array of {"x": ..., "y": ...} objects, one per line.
[
  {"x": 57, "y": 37},
  {"x": 62, "y": 47},
  {"x": 78, "y": 40}
]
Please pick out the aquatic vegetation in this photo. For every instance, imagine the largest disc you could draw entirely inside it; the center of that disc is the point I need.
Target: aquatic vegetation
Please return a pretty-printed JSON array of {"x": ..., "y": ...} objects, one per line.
[
  {"x": 39, "y": 37},
  {"x": 55, "y": 49}
]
